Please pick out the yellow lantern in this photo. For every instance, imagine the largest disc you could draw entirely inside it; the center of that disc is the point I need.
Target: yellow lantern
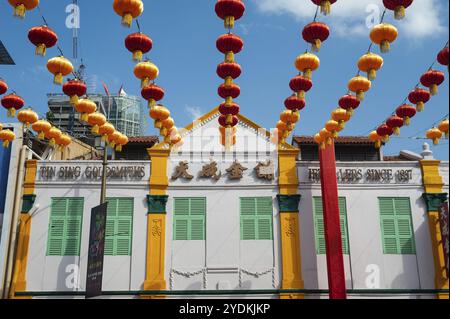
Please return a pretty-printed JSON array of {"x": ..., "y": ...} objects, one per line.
[
  {"x": 59, "y": 67},
  {"x": 320, "y": 141},
  {"x": 7, "y": 136},
  {"x": 334, "y": 127},
  {"x": 377, "y": 139},
  {"x": 327, "y": 136},
  {"x": 41, "y": 127},
  {"x": 443, "y": 127},
  {"x": 159, "y": 113},
  {"x": 63, "y": 141},
  {"x": 146, "y": 71},
  {"x": 341, "y": 116},
  {"x": 290, "y": 118},
  {"x": 96, "y": 120},
  {"x": 121, "y": 142},
  {"x": 27, "y": 117},
  {"x": 435, "y": 135},
  {"x": 113, "y": 138},
  {"x": 370, "y": 63},
  {"x": 22, "y": 6},
  {"x": 360, "y": 85},
  {"x": 105, "y": 130},
  {"x": 128, "y": 10},
  {"x": 166, "y": 126},
  {"x": 85, "y": 107},
  {"x": 307, "y": 63},
  {"x": 52, "y": 135},
  {"x": 384, "y": 34}
]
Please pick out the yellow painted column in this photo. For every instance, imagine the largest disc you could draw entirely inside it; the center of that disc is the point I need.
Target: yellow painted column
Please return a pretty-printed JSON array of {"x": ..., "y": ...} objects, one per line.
[
  {"x": 19, "y": 282},
  {"x": 434, "y": 198},
  {"x": 156, "y": 221},
  {"x": 288, "y": 200}
]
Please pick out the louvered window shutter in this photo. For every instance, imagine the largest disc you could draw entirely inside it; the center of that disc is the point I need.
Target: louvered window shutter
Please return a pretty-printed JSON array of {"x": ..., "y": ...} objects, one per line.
[
  {"x": 189, "y": 219},
  {"x": 256, "y": 218},
  {"x": 119, "y": 227},
  {"x": 66, "y": 219},
  {"x": 396, "y": 226},
  {"x": 319, "y": 227}
]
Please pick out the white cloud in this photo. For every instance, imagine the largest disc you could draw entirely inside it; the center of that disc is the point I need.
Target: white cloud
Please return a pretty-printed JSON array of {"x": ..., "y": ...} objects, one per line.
[
  {"x": 194, "y": 111},
  {"x": 348, "y": 17}
]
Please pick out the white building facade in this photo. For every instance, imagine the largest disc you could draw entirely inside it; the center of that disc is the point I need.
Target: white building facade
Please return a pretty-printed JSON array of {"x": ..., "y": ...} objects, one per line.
[{"x": 246, "y": 223}]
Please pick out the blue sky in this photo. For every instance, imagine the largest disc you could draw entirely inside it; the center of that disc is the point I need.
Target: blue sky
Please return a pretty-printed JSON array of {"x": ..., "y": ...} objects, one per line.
[{"x": 184, "y": 35}]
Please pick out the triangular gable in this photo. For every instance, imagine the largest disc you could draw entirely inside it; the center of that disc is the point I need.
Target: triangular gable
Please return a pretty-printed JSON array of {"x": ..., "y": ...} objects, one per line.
[{"x": 202, "y": 135}]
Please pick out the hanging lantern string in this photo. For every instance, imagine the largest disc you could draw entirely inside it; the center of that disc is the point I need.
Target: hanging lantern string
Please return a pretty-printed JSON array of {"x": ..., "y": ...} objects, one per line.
[
  {"x": 383, "y": 15},
  {"x": 432, "y": 125},
  {"x": 316, "y": 15},
  {"x": 415, "y": 87}
]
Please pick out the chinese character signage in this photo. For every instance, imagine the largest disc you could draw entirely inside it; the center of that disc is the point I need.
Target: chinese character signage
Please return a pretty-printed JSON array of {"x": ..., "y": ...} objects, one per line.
[{"x": 96, "y": 251}]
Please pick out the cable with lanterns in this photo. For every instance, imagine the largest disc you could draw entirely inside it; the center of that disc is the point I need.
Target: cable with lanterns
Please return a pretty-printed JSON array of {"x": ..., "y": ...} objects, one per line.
[
  {"x": 43, "y": 37},
  {"x": 147, "y": 72},
  {"x": 430, "y": 80},
  {"x": 229, "y": 44},
  {"x": 383, "y": 35}
]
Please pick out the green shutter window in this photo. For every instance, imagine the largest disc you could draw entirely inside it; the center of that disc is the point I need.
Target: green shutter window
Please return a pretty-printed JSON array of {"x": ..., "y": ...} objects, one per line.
[
  {"x": 319, "y": 227},
  {"x": 256, "y": 218},
  {"x": 119, "y": 227},
  {"x": 189, "y": 219},
  {"x": 66, "y": 219},
  {"x": 396, "y": 226}
]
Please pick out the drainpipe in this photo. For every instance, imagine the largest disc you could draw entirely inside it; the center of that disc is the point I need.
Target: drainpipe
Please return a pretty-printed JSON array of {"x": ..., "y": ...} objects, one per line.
[{"x": 14, "y": 221}]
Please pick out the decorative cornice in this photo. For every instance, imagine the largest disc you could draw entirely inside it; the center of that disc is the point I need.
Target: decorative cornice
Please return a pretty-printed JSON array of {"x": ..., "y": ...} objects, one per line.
[
  {"x": 434, "y": 201},
  {"x": 157, "y": 204},
  {"x": 289, "y": 203}
]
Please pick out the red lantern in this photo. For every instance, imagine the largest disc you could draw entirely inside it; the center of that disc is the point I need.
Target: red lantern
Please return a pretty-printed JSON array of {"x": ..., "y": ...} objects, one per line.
[
  {"x": 12, "y": 103},
  {"x": 398, "y": 6},
  {"x": 228, "y": 120},
  {"x": 316, "y": 33},
  {"x": 294, "y": 103},
  {"x": 229, "y": 71},
  {"x": 232, "y": 109},
  {"x": 75, "y": 89},
  {"x": 42, "y": 37},
  {"x": 152, "y": 93},
  {"x": 138, "y": 44},
  {"x": 325, "y": 5},
  {"x": 3, "y": 87},
  {"x": 419, "y": 97},
  {"x": 406, "y": 112},
  {"x": 301, "y": 85},
  {"x": 349, "y": 103},
  {"x": 395, "y": 123},
  {"x": 230, "y": 11},
  {"x": 229, "y": 44},
  {"x": 226, "y": 92},
  {"x": 385, "y": 132},
  {"x": 443, "y": 56},
  {"x": 432, "y": 79}
]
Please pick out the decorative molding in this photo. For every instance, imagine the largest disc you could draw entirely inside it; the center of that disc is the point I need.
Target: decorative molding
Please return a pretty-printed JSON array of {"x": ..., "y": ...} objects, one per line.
[
  {"x": 28, "y": 203},
  {"x": 157, "y": 228},
  {"x": 434, "y": 201},
  {"x": 291, "y": 227},
  {"x": 257, "y": 275},
  {"x": 187, "y": 274},
  {"x": 157, "y": 204},
  {"x": 289, "y": 203}
]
